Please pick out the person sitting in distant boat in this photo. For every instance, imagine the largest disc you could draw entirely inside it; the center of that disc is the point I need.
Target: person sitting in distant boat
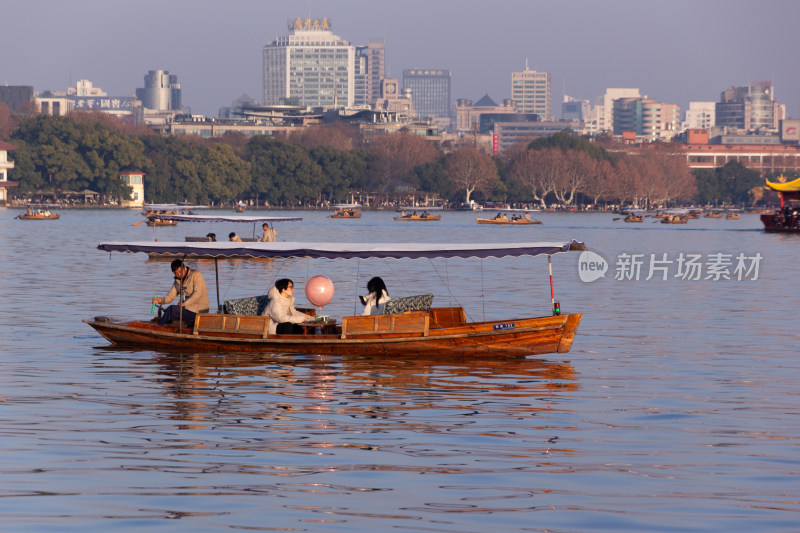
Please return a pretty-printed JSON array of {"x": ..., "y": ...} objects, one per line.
[
  {"x": 30, "y": 210},
  {"x": 233, "y": 237},
  {"x": 270, "y": 234},
  {"x": 284, "y": 319},
  {"x": 375, "y": 302},
  {"x": 527, "y": 216},
  {"x": 212, "y": 237},
  {"x": 192, "y": 286}
]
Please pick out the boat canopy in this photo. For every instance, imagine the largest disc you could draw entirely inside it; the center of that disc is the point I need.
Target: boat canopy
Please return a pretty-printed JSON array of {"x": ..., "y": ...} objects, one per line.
[
  {"x": 228, "y": 218},
  {"x": 792, "y": 186},
  {"x": 344, "y": 250},
  {"x": 346, "y": 206},
  {"x": 171, "y": 207}
]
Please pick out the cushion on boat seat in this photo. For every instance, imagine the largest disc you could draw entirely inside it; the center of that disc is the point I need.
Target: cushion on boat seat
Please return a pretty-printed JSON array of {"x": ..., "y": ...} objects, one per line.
[
  {"x": 421, "y": 302},
  {"x": 250, "y": 305}
]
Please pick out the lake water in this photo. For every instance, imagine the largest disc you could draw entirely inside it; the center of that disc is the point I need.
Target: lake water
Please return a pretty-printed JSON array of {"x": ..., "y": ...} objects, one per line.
[{"x": 678, "y": 408}]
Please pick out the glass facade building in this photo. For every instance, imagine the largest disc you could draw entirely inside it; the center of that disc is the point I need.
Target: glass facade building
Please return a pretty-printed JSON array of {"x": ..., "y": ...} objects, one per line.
[{"x": 430, "y": 91}]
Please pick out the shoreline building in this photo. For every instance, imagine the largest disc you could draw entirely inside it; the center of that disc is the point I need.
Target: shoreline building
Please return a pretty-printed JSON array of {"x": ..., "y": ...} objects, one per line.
[
  {"x": 602, "y": 119},
  {"x": 430, "y": 92},
  {"x": 309, "y": 67},
  {"x": 370, "y": 70},
  {"x": 531, "y": 93},
  {"x": 5, "y": 166}
]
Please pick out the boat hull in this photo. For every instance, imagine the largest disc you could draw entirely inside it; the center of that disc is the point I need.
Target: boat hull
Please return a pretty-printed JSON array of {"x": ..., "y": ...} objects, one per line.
[
  {"x": 777, "y": 223},
  {"x": 508, "y": 338},
  {"x": 428, "y": 218},
  {"x": 55, "y": 216}
]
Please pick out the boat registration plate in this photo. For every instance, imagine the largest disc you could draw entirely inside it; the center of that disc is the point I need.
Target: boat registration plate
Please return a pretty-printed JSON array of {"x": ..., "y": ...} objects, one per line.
[{"x": 507, "y": 325}]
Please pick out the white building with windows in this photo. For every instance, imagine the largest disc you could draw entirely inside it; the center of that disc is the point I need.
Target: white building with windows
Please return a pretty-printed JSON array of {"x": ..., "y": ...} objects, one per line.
[
  {"x": 700, "y": 115},
  {"x": 530, "y": 91},
  {"x": 309, "y": 67}
]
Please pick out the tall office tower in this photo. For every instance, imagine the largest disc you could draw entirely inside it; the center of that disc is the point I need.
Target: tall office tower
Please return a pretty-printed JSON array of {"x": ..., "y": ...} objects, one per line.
[
  {"x": 311, "y": 66},
  {"x": 700, "y": 115},
  {"x": 370, "y": 70},
  {"x": 430, "y": 91},
  {"x": 161, "y": 91},
  {"x": 530, "y": 91},
  {"x": 750, "y": 107}
]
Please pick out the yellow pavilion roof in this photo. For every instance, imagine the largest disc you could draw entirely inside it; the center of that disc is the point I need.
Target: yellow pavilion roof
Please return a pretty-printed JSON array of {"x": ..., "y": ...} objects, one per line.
[{"x": 792, "y": 186}]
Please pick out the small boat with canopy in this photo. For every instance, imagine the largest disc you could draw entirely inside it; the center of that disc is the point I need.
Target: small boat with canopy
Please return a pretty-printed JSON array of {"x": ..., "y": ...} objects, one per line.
[
  {"x": 154, "y": 214},
  {"x": 346, "y": 211},
  {"x": 410, "y": 327},
  {"x": 510, "y": 217},
  {"x": 39, "y": 212}
]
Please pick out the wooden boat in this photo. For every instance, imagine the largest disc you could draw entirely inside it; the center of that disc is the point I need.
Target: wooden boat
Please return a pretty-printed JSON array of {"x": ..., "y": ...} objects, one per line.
[
  {"x": 39, "y": 216},
  {"x": 424, "y": 217},
  {"x": 731, "y": 216},
  {"x": 630, "y": 217},
  {"x": 39, "y": 212},
  {"x": 240, "y": 208},
  {"x": 713, "y": 214},
  {"x": 416, "y": 330},
  {"x": 675, "y": 219},
  {"x": 524, "y": 220},
  {"x": 346, "y": 211}
]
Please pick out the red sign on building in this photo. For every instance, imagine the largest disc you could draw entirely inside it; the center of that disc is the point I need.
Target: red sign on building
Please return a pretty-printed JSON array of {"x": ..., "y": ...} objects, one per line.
[{"x": 495, "y": 144}]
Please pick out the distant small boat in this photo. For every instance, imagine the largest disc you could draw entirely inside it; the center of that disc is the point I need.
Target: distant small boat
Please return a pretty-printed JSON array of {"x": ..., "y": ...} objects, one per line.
[
  {"x": 630, "y": 217},
  {"x": 713, "y": 214},
  {"x": 424, "y": 217},
  {"x": 240, "y": 208},
  {"x": 41, "y": 212},
  {"x": 675, "y": 219},
  {"x": 732, "y": 216},
  {"x": 346, "y": 211},
  {"x": 525, "y": 220}
]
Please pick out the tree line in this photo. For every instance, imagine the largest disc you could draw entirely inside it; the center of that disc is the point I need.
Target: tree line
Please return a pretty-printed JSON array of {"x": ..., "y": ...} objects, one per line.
[{"x": 87, "y": 150}]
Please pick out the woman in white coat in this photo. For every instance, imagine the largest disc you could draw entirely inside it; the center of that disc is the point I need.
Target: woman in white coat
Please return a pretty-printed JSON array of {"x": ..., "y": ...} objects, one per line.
[{"x": 375, "y": 301}]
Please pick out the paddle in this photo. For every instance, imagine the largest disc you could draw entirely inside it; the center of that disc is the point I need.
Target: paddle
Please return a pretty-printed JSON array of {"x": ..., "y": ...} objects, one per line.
[
  {"x": 615, "y": 219},
  {"x": 138, "y": 223}
]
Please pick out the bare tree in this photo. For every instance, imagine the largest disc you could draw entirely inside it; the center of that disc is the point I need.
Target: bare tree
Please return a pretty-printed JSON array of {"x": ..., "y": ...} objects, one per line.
[
  {"x": 394, "y": 157},
  {"x": 471, "y": 170}
]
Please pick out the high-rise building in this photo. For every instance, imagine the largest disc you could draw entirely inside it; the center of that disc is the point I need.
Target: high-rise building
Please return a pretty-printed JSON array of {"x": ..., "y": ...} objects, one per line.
[
  {"x": 750, "y": 107},
  {"x": 574, "y": 109},
  {"x": 650, "y": 120},
  {"x": 605, "y": 108},
  {"x": 700, "y": 115},
  {"x": 430, "y": 91},
  {"x": 530, "y": 91},
  {"x": 370, "y": 71},
  {"x": 161, "y": 91},
  {"x": 311, "y": 66}
]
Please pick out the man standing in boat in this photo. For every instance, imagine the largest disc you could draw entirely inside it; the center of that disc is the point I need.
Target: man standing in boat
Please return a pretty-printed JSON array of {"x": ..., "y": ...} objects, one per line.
[
  {"x": 191, "y": 285},
  {"x": 270, "y": 234}
]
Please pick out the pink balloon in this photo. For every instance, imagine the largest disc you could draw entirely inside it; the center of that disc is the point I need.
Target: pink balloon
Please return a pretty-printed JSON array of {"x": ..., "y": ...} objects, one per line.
[{"x": 319, "y": 290}]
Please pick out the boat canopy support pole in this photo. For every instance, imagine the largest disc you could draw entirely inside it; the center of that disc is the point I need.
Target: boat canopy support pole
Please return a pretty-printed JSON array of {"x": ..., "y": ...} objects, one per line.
[
  {"x": 216, "y": 275},
  {"x": 556, "y": 308}
]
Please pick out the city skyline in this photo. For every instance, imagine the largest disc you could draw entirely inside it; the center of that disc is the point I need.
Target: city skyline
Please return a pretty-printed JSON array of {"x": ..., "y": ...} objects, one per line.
[{"x": 674, "y": 52}]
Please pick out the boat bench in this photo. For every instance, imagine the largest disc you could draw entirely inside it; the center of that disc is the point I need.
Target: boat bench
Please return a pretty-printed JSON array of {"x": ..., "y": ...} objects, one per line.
[
  {"x": 257, "y": 326},
  {"x": 197, "y": 239},
  {"x": 447, "y": 317},
  {"x": 407, "y": 324}
]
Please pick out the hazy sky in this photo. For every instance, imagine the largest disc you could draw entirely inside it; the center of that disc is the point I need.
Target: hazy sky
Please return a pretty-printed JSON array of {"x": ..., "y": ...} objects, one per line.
[{"x": 674, "y": 51}]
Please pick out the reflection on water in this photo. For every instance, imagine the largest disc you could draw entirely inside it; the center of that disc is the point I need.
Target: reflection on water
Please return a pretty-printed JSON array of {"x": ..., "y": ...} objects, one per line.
[{"x": 675, "y": 410}]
